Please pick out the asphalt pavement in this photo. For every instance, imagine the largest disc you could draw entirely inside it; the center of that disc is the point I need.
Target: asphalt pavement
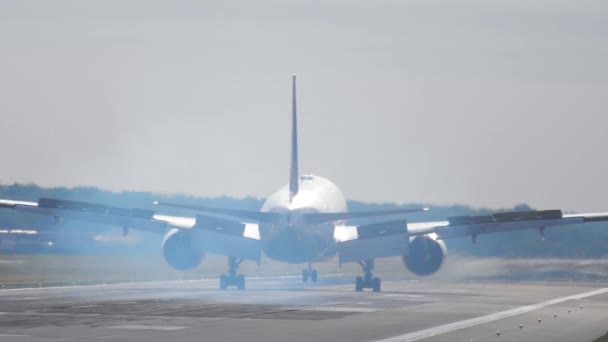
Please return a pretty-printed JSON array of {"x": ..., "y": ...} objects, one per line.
[{"x": 284, "y": 309}]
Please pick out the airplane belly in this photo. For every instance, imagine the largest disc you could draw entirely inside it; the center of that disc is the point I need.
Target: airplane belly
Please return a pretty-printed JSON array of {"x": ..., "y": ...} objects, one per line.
[{"x": 295, "y": 246}]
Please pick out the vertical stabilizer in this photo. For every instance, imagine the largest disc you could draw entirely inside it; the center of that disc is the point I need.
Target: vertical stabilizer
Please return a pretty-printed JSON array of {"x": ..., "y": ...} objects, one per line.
[{"x": 294, "y": 176}]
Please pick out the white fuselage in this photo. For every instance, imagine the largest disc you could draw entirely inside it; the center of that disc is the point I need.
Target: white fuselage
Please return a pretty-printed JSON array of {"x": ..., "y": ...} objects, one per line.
[{"x": 292, "y": 240}]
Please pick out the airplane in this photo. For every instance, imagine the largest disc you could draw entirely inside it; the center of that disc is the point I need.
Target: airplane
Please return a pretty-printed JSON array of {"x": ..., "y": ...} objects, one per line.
[{"x": 305, "y": 221}]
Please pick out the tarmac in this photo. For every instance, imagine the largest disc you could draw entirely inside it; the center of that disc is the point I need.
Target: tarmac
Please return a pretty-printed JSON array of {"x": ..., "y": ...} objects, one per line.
[{"x": 284, "y": 309}]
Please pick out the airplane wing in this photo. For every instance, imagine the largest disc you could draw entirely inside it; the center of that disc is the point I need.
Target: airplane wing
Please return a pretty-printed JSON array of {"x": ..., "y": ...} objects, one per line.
[
  {"x": 391, "y": 238},
  {"x": 472, "y": 226},
  {"x": 220, "y": 236},
  {"x": 140, "y": 219}
]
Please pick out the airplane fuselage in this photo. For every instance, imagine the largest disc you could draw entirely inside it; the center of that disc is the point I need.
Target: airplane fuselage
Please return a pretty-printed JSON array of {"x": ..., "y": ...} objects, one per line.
[{"x": 293, "y": 240}]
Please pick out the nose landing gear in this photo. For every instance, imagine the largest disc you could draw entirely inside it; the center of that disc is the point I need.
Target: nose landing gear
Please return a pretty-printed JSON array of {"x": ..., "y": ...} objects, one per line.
[
  {"x": 309, "y": 272},
  {"x": 368, "y": 281},
  {"x": 232, "y": 279}
]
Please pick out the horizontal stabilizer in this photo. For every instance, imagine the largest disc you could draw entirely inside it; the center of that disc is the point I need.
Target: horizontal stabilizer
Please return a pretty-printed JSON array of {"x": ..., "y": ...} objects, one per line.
[
  {"x": 318, "y": 218},
  {"x": 246, "y": 215}
]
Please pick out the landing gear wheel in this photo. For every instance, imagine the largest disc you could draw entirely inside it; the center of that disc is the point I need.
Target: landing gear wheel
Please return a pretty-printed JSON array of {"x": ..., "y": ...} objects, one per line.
[
  {"x": 368, "y": 281},
  {"x": 240, "y": 282},
  {"x": 313, "y": 276},
  {"x": 231, "y": 279},
  {"x": 359, "y": 284},
  {"x": 309, "y": 273},
  {"x": 376, "y": 284},
  {"x": 223, "y": 282}
]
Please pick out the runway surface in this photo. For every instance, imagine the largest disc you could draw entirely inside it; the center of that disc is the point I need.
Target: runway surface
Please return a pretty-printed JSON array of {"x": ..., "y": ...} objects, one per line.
[{"x": 283, "y": 309}]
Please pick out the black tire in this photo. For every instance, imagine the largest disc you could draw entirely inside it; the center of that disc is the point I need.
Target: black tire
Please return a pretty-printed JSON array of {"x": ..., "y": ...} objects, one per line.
[
  {"x": 304, "y": 276},
  {"x": 240, "y": 282},
  {"x": 359, "y": 284},
  {"x": 223, "y": 282},
  {"x": 376, "y": 282},
  {"x": 313, "y": 276}
]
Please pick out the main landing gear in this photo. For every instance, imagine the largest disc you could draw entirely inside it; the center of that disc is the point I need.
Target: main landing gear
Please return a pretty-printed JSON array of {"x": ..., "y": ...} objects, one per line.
[
  {"x": 309, "y": 272},
  {"x": 368, "y": 281},
  {"x": 232, "y": 279}
]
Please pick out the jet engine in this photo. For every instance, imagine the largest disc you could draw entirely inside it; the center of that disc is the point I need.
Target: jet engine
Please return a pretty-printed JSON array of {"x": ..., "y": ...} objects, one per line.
[
  {"x": 426, "y": 255},
  {"x": 179, "y": 251}
]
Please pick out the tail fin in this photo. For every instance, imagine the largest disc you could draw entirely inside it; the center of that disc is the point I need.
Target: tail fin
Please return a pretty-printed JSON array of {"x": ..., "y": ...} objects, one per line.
[{"x": 294, "y": 177}]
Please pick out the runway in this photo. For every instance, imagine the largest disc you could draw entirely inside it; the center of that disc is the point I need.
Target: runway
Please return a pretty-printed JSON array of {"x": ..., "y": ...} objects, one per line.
[{"x": 283, "y": 309}]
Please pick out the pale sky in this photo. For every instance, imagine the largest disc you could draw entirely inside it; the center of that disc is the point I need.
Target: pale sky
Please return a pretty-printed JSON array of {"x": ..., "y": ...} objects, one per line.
[{"x": 485, "y": 103}]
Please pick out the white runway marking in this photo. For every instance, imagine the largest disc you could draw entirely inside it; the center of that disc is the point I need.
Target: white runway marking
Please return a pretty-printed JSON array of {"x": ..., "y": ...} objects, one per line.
[
  {"x": 147, "y": 327},
  {"x": 335, "y": 309},
  {"x": 442, "y": 329},
  {"x": 403, "y": 295},
  {"x": 11, "y": 335},
  {"x": 139, "y": 283},
  {"x": 22, "y": 298}
]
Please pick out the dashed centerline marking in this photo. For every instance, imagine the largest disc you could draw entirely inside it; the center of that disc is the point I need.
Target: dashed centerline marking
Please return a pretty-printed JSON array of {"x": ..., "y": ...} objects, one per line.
[
  {"x": 334, "y": 309},
  {"x": 147, "y": 327},
  {"x": 404, "y": 295}
]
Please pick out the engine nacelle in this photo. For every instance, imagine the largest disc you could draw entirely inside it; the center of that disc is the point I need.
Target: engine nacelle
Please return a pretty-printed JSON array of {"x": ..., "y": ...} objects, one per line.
[
  {"x": 426, "y": 255},
  {"x": 179, "y": 251}
]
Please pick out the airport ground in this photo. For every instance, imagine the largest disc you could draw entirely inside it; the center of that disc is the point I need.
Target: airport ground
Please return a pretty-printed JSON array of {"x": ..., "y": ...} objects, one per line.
[
  {"x": 452, "y": 306},
  {"x": 282, "y": 308}
]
